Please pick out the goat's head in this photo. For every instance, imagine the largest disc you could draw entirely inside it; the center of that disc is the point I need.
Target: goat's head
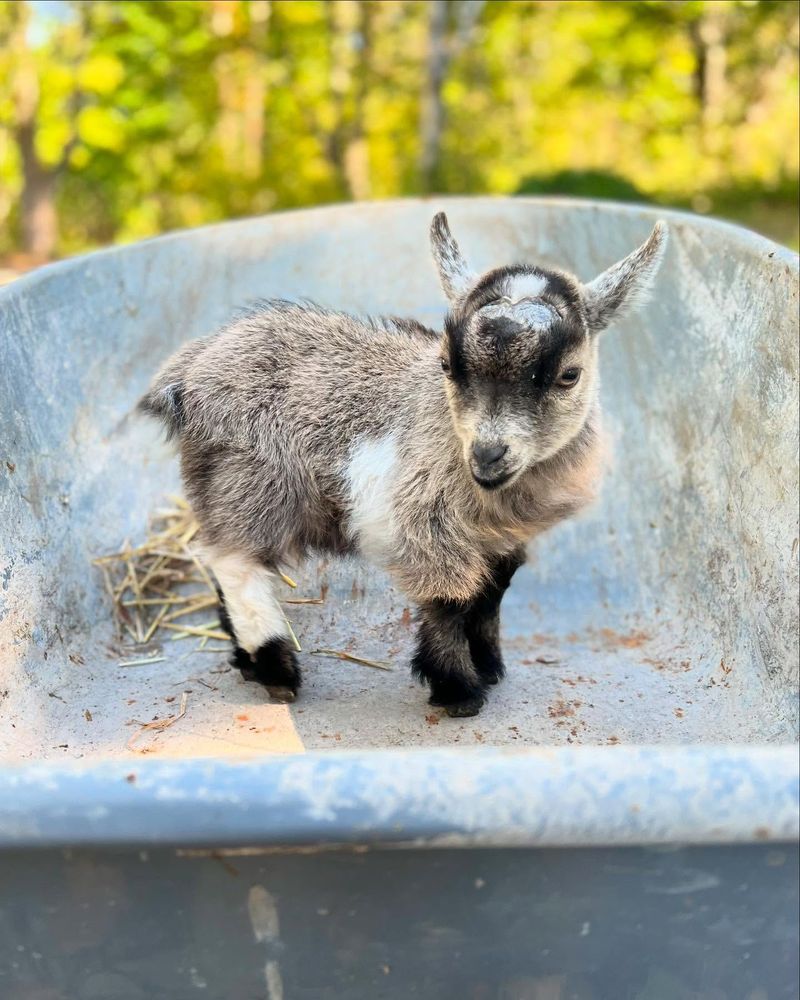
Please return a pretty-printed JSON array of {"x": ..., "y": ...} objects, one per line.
[{"x": 519, "y": 351}]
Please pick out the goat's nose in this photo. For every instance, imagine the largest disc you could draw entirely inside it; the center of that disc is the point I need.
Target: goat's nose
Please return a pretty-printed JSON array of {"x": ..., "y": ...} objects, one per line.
[{"x": 488, "y": 454}]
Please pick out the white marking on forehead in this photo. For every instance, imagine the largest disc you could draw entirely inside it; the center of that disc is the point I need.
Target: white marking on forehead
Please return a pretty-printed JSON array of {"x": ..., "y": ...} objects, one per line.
[
  {"x": 521, "y": 302},
  {"x": 529, "y": 312},
  {"x": 526, "y": 286},
  {"x": 370, "y": 476}
]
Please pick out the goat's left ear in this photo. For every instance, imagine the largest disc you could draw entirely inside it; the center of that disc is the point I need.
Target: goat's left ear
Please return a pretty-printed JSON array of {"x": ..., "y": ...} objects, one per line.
[
  {"x": 454, "y": 273},
  {"x": 626, "y": 283}
]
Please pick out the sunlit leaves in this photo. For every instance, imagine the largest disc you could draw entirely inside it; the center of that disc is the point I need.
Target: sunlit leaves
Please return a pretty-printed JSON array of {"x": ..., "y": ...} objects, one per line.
[
  {"x": 156, "y": 114},
  {"x": 101, "y": 73}
]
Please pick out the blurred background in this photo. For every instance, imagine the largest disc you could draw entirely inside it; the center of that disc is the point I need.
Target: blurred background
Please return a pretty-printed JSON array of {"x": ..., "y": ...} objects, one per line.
[{"x": 119, "y": 120}]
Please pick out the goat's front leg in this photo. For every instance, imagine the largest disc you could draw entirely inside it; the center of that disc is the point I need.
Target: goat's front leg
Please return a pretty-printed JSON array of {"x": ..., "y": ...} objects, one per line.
[
  {"x": 251, "y": 614},
  {"x": 483, "y": 619},
  {"x": 443, "y": 660}
]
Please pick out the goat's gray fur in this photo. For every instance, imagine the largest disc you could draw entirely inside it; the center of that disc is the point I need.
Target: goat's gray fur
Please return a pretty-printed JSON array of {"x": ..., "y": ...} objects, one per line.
[{"x": 302, "y": 429}]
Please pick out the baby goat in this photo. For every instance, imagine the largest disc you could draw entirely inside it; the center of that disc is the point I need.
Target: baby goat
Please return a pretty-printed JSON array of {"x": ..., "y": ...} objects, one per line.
[{"x": 435, "y": 456}]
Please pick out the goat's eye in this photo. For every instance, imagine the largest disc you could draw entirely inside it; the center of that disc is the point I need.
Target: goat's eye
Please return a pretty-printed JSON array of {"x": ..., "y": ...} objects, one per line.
[
  {"x": 445, "y": 365},
  {"x": 568, "y": 378}
]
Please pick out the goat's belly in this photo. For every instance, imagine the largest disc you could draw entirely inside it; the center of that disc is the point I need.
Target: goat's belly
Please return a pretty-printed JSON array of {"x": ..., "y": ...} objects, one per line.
[{"x": 370, "y": 478}]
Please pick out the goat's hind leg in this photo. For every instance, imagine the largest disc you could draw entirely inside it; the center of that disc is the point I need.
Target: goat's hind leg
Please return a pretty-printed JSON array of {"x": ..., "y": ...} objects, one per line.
[
  {"x": 250, "y": 613},
  {"x": 442, "y": 659}
]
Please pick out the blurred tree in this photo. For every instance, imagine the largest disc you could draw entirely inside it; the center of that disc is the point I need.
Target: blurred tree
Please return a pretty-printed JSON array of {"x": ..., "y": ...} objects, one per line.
[
  {"x": 43, "y": 102},
  {"x": 445, "y": 40},
  {"x": 119, "y": 120}
]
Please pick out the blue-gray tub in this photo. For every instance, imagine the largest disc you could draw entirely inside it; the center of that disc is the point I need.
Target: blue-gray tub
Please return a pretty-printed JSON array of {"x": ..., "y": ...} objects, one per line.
[{"x": 620, "y": 822}]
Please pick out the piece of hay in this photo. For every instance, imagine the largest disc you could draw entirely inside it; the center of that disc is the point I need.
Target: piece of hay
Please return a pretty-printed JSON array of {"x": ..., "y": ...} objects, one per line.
[
  {"x": 184, "y": 631},
  {"x": 295, "y": 640},
  {"x": 141, "y": 663},
  {"x": 341, "y": 655},
  {"x": 159, "y": 724}
]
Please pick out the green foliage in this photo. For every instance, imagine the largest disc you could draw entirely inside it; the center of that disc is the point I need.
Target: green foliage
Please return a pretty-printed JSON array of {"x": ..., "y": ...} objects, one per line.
[
  {"x": 583, "y": 184},
  {"x": 148, "y": 115}
]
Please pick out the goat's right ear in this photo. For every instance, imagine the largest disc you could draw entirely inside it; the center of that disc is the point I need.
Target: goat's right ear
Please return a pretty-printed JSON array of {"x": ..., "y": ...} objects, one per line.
[
  {"x": 454, "y": 273},
  {"x": 625, "y": 283}
]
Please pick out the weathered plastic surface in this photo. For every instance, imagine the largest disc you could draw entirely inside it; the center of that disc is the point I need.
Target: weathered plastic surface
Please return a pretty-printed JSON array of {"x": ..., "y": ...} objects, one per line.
[{"x": 665, "y": 618}]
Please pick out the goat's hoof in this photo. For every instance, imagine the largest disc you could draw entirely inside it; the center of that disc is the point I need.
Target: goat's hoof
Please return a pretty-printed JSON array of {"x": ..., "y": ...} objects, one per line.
[
  {"x": 280, "y": 693},
  {"x": 242, "y": 662},
  {"x": 465, "y": 709}
]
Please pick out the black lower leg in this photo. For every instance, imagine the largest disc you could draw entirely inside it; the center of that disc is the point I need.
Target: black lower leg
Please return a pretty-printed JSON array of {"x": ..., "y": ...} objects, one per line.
[
  {"x": 442, "y": 660},
  {"x": 483, "y": 619},
  {"x": 273, "y": 664}
]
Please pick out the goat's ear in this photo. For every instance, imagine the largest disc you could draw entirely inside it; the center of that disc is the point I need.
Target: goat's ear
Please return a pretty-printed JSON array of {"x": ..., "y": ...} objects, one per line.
[
  {"x": 454, "y": 273},
  {"x": 626, "y": 283}
]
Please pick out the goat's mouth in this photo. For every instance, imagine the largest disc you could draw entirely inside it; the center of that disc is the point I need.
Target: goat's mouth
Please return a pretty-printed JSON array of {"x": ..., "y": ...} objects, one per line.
[{"x": 495, "y": 482}]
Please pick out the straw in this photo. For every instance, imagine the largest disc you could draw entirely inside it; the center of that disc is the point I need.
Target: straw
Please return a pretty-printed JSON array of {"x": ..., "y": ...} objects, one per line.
[
  {"x": 157, "y": 586},
  {"x": 341, "y": 655}
]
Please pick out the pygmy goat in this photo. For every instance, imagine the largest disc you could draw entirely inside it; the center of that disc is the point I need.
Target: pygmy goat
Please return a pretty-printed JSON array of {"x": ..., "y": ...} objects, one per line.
[{"x": 436, "y": 456}]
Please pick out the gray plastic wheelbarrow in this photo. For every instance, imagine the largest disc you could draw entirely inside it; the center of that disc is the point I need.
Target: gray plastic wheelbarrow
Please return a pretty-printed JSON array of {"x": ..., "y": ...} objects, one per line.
[{"x": 620, "y": 822}]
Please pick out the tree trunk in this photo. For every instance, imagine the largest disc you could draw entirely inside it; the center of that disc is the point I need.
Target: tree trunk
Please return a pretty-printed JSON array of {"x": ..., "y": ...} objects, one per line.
[
  {"x": 710, "y": 82},
  {"x": 432, "y": 112},
  {"x": 356, "y": 154},
  {"x": 38, "y": 202},
  {"x": 256, "y": 90},
  {"x": 348, "y": 27}
]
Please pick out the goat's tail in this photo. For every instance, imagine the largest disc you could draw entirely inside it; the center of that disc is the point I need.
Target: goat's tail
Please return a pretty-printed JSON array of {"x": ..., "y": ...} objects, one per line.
[
  {"x": 165, "y": 402},
  {"x": 165, "y": 397}
]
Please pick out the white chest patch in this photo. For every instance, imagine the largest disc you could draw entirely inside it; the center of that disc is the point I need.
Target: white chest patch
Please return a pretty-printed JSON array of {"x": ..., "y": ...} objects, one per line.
[{"x": 370, "y": 477}]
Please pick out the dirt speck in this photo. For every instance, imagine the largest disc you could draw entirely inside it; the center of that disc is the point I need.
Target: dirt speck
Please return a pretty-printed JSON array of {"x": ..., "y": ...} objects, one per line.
[
  {"x": 562, "y": 709},
  {"x": 87, "y": 715},
  {"x": 77, "y": 659},
  {"x": 678, "y": 713},
  {"x": 405, "y": 618},
  {"x": 243, "y": 718},
  {"x": 131, "y": 778},
  {"x": 580, "y": 679},
  {"x": 432, "y": 720},
  {"x": 615, "y": 640},
  {"x": 761, "y": 833},
  {"x": 612, "y": 740}
]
